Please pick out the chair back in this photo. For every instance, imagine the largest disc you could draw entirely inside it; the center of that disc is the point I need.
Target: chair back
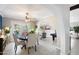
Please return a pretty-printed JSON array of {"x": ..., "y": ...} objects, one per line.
[{"x": 32, "y": 39}]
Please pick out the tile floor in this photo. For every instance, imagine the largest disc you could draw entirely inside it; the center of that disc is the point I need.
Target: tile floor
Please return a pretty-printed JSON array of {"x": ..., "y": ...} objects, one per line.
[
  {"x": 45, "y": 47},
  {"x": 74, "y": 46}
]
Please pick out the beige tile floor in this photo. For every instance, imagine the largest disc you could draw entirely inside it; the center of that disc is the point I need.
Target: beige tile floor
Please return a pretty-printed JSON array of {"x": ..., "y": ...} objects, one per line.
[{"x": 45, "y": 47}]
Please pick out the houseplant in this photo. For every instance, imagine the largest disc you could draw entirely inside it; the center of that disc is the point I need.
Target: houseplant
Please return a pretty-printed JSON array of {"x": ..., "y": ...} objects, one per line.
[{"x": 76, "y": 29}]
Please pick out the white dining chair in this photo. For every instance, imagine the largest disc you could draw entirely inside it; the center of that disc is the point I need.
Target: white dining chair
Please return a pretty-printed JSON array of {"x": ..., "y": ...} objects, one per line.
[
  {"x": 17, "y": 43},
  {"x": 38, "y": 38},
  {"x": 32, "y": 39}
]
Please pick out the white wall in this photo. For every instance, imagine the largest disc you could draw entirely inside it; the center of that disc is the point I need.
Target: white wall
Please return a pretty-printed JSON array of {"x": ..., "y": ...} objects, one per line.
[
  {"x": 72, "y": 24},
  {"x": 74, "y": 17},
  {"x": 62, "y": 13},
  {"x": 63, "y": 28},
  {"x": 11, "y": 21},
  {"x": 50, "y": 20}
]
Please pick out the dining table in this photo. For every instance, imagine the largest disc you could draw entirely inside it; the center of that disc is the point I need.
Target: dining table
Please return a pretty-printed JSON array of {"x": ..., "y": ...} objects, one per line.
[{"x": 23, "y": 38}]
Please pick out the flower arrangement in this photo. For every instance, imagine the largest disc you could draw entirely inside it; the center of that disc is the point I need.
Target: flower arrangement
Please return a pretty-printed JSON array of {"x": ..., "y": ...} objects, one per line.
[{"x": 7, "y": 30}]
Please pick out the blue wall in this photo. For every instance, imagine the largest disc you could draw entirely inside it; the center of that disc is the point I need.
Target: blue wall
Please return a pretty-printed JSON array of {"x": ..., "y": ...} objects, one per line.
[{"x": 0, "y": 22}]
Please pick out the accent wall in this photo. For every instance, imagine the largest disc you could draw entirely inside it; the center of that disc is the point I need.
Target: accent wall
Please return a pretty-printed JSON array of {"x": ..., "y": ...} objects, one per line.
[{"x": 0, "y": 22}]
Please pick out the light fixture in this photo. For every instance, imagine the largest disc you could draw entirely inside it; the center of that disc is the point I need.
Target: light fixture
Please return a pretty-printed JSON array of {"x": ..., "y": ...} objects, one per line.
[
  {"x": 27, "y": 14},
  {"x": 27, "y": 17}
]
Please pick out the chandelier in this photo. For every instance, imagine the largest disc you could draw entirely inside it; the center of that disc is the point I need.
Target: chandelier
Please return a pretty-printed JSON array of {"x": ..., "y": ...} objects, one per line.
[{"x": 27, "y": 17}]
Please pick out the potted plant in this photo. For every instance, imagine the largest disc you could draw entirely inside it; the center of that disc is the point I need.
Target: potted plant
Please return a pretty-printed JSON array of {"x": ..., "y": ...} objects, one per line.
[{"x": 76, "y": 29}]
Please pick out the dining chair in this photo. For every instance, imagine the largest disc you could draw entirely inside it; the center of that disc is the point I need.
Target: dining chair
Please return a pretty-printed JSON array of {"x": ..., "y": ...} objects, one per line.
[
  {"x": 17, "y": 43},
  {"x": 38, "y": 37},
  {"x": 32, "y": 39}
]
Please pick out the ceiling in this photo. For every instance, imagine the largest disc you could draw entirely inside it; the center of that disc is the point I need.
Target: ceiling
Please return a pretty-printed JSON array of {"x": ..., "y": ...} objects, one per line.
[
  {"x": 18, "y": 11},
  {"x": 72, "y": 5}
]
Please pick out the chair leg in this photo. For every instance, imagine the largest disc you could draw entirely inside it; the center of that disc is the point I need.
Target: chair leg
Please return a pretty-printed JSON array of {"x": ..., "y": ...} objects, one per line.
[
  {"x": 35, "y": 48},
  {"x": 37, "y": 42},
  {"x": 15, "y": 48},
  {"x": 28, "y": 50},
  {"x": 25, "y": 46}
]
